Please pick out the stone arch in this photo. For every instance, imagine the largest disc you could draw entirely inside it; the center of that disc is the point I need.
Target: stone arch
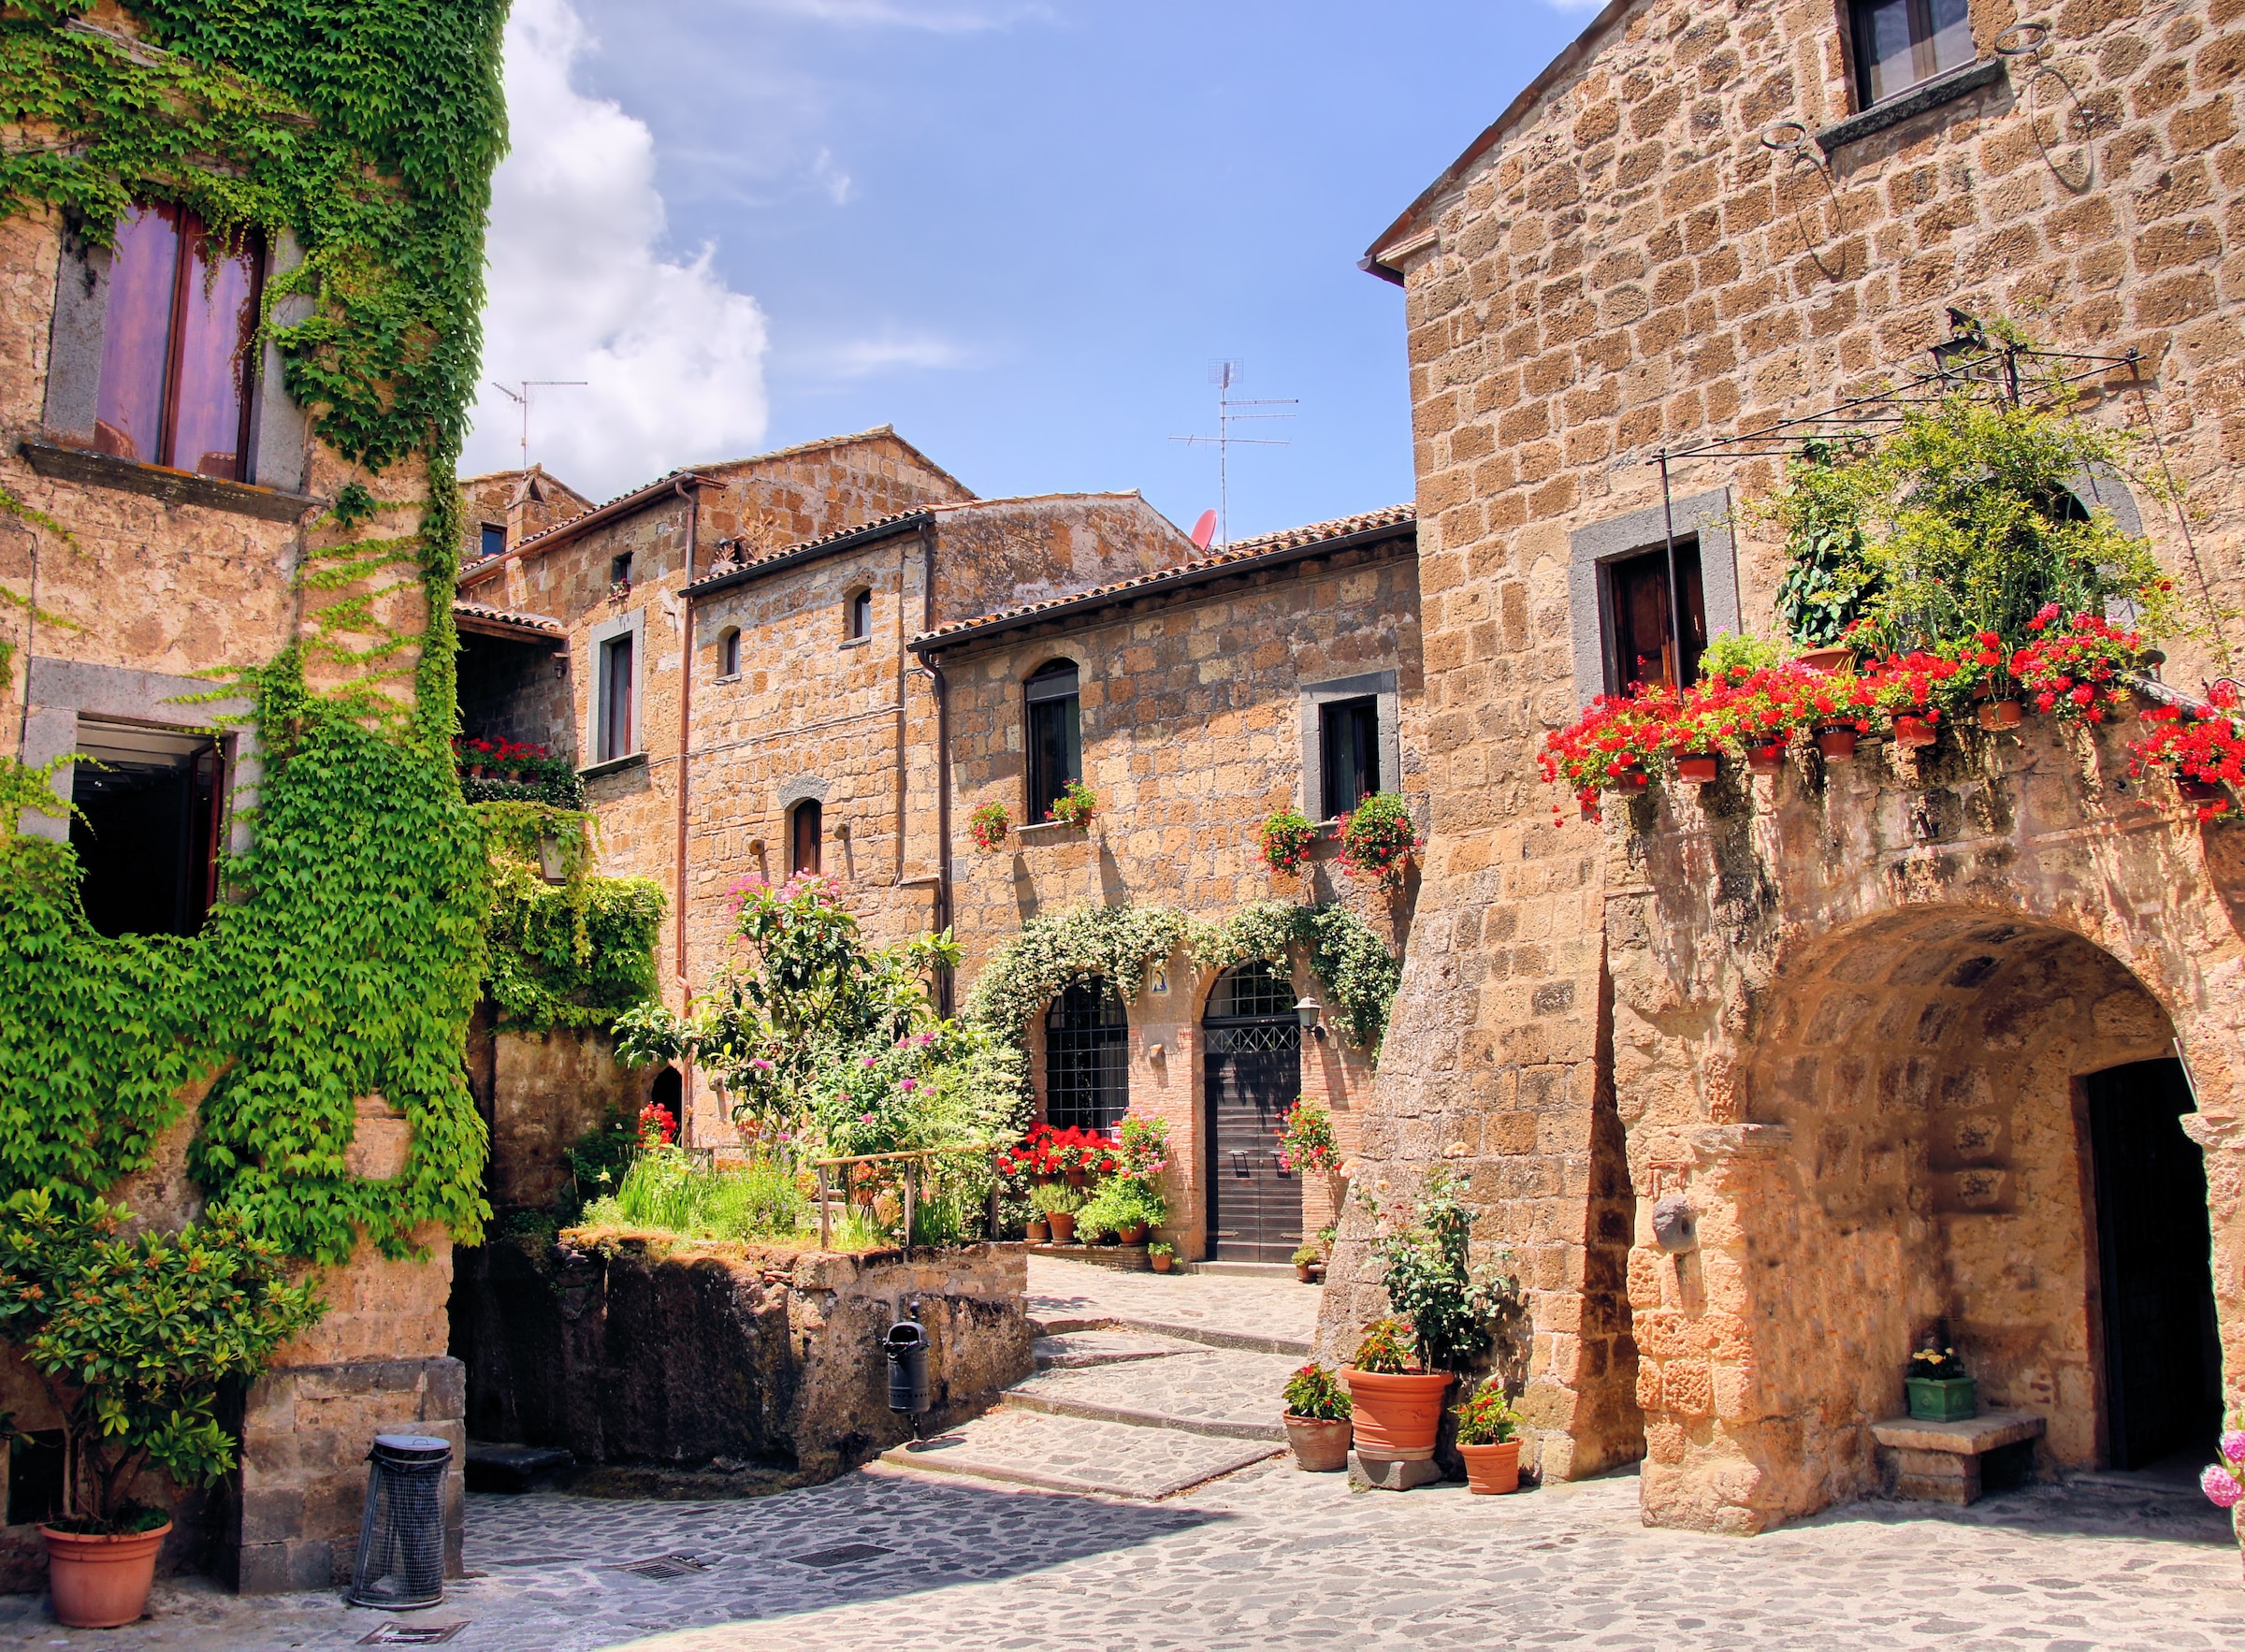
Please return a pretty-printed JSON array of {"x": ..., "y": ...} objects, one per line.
[{"x": 1900, "y": 1138}]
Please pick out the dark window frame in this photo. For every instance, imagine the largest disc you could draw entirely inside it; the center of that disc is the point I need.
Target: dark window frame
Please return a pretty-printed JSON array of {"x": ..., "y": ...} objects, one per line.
[
  {"x": 617, "y": 712},
  {"x": 1087, "y": 1056},
  {"x": 729, "y": 652},
  {"x": 1347, "y": 736},
  {"x": 484, "y": 544},
  {"x": 1925, "y": 33},
  {"x": 1052, "y": 735},
  {"x": 806, "y": 836},
  {"x": 858, "y": 617},
  {"x": 1617, "y": 577}
]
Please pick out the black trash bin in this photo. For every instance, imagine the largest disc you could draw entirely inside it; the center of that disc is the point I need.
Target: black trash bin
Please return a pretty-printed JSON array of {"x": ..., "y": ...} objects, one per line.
[
  {"x": 400, "y": 1562},
  {"x": 906, "y": 1345}
]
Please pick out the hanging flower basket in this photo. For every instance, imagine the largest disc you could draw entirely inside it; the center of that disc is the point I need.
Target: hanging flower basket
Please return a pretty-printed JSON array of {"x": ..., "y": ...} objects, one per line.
[
  {"x": 1766, "y": 759},
  {"x": 1837, "y": 743},
  {"x": 2192, "y": 790},
  {"x": 1914, "y": 731},
  {"x": 1999, "y": 715},
  {"x": 1629, "y": 782},
  {"x": 1699, "y": 768}
]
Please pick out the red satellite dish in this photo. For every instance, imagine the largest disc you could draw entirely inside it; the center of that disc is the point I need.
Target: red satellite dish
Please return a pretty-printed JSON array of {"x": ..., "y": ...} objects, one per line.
[{"x": 1204, "y": 530}]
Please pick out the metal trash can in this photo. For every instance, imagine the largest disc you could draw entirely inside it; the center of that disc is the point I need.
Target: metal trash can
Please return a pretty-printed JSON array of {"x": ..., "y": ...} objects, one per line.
[
  {"x": 906, "y": 1345},
  {"x": 400, "y": 1562}
]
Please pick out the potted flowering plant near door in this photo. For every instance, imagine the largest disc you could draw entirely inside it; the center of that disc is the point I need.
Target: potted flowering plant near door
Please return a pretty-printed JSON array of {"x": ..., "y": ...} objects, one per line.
[
  {"x": 1317, "y": 1420},
  {"x": 1938, "y": 1387},
  {"x": 1488, "y": 1438},
  {"x": 133, "y": 1336}
]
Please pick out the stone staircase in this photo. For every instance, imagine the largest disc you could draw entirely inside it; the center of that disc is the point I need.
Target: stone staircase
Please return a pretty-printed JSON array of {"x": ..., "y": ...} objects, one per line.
[{"x": 1137, "y": 1403}]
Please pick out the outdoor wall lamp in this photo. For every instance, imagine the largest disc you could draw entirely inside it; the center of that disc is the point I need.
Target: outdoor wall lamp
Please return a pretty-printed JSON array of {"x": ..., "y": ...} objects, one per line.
[{"x": 1309, "y": 1009}]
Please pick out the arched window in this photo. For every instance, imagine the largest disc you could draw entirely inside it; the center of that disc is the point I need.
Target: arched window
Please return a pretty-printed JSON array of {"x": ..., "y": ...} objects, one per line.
[
  {"x": 1087, "y": 1057},
  {"x": 861, "y": 615},
  {"x": 729, "y": 653},
  {"x": 803, "y": 829},
  {"x": 1055, "y": 735}
]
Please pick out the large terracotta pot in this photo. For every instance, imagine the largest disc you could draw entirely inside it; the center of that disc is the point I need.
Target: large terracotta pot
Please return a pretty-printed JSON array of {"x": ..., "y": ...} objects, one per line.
[
  {"x": 1766, "y": 759},
  {"x": 100, "y": 1582},
  {"x": 1319, "y": 1445},
  {"x": 1133, "y": 1233},
  {"x": 1828, "y": 659},
  {"x": 1492, "y": 1471},
  {"x": 1836, "y": 744},
  {"x": 2000, "y": 714},
  {"x": 1397, "y": 1416},
  {"x": 1064, "y": 1227}
]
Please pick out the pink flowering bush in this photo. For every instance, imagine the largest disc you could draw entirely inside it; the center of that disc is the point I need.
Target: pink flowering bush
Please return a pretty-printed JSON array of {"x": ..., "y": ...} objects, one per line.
[{"x": 2223, "y": 1482}]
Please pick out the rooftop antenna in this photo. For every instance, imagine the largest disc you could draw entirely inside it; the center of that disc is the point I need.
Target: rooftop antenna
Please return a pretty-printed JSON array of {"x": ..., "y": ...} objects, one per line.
[
  {"x": 1223, "y": 375},
  {"x": 521, "y": 396}
]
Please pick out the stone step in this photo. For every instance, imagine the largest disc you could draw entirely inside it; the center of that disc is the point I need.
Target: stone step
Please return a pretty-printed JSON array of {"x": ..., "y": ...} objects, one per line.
[
  {"x": 1057, "y": 1453},
  {"x": 1223, "y": 1395},
  {"x": 1239, "y": 1270},
  {"x": 1208, "y": 1336},
  {"x": 1067, "y": 1350}
]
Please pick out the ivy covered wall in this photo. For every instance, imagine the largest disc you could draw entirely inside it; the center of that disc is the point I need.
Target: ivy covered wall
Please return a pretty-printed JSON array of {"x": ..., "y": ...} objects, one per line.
[{"x": 349, "y": 950}]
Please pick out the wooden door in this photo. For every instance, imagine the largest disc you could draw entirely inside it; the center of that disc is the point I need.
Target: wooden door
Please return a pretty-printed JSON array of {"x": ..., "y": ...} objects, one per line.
[
  {"x": 1254, "y": 1075},
  {"x": 2163, "y": 1364}
]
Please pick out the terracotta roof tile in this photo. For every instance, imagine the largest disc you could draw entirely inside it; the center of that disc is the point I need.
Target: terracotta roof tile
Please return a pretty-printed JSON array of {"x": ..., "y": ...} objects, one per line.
[
  {"x": 1240, "y": 553},
  {"x": 490, "y": 621}
]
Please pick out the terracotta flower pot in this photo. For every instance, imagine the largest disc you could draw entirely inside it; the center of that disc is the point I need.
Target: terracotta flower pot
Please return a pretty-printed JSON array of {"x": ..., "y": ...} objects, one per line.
[
  {"x": 1064, "y": 1227},
  {"x": 1040, "y": 1231},
  {"x": 1301, "y": 1272},
  {"x": 1828, "y": 659},
  {"x": 1321, "y": 1445},
  {"x": 1592, "y": 812},
  {"x": 1626, "y": 781},
  {"x": 2000, "y": 714},
  {"x": 1837, "y": 745},
  {"x": 100, "y": 1582},
  {"x": 2192, "y": 790},
  {"x": 1077, "y": 1178},
  {"x": 1162, "y": 1263},
  {"x": 1131, "y": 1232},
  {"x": 1396, "y": 1415},
  {"x": 1766, "y": 759},
  {"x": 1915, "y": 732},
  {"x": 1699, "y": 768},
  {"x": 1491, "y": 1471}
]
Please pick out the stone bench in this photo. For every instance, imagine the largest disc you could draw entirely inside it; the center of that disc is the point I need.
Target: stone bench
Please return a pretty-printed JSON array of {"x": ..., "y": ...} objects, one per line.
[{"x": 1940, "y": 1462}]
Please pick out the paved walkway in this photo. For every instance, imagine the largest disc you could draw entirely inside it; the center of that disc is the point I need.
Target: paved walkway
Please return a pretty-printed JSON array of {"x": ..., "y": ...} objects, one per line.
[
  {"x": 1276, "y": 1313},
  {"x": 1262, "y": 1556}
]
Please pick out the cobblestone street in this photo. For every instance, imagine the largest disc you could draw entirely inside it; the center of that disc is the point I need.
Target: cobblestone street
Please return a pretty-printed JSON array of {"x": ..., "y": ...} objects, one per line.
[{"x": 1263, "y": 1557}]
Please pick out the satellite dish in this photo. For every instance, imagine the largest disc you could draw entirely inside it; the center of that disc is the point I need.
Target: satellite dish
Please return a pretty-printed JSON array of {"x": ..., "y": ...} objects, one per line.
[{"x": 1204, "y": 530}]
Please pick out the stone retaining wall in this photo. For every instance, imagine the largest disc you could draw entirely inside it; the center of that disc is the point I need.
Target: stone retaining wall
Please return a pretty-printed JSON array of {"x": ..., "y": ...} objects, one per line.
[{"x": 630, "y": 1354}]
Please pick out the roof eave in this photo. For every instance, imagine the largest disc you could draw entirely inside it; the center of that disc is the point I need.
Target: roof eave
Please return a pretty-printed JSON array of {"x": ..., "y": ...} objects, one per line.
[
  {"x": 870, "y": 533},
  {"x": 601, "y": 515}
]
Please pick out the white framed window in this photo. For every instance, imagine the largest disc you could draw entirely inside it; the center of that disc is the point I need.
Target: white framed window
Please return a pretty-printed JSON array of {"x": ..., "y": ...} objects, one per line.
[{"x": 618, "y": 678}]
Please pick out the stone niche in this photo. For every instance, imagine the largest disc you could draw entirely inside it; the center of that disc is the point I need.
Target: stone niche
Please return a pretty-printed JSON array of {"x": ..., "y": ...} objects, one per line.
[
  {"x": 1855, "y": 1008},
  {"x": 639, "y": 1351}
]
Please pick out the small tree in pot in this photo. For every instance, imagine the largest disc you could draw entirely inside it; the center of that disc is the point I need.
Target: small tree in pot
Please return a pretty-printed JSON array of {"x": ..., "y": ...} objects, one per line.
[{"x": 134, "y": 1337}]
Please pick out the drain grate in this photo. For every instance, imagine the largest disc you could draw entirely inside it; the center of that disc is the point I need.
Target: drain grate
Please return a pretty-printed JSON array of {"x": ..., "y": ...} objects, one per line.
[
  {"x": 664, "y": 1567},
  {"x": 411, "y": 1634},
  {"x": 847, "y": 1554}
]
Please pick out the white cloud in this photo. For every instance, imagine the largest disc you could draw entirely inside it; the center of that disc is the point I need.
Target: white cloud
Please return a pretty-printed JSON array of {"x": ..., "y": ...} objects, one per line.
[
  {"x": 861, "y": 358},
  {"x": 580, "y": 289}
]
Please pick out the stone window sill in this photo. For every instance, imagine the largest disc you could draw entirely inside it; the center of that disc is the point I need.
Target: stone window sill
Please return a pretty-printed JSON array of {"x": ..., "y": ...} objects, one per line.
[
  {"x": 855, "y": 642},
  {"x": 731, "y": 676},
  {"x": 1927, "y": 95},
  {"x": 613, "y": 766},
  {"x": 174, "y": 488},
  {"x": 1047, "y": 833}
]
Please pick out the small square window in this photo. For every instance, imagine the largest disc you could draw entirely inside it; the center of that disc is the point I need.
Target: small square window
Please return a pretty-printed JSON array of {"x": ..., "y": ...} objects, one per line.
[
  {"x": 1641, "y": 617},
  {"x": 1902, "y": 43},
  {"x": 1350, "y": 732},
  {"x": 495, "y": 538},
  {"x": 620, "y": 574}
]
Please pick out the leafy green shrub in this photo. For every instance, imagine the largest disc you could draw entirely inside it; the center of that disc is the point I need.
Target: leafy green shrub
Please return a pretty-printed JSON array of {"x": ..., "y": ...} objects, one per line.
[
  {"x": 1075, "y": 805},
  {"x": 672, "y": 1191},
  {"x": 135, "y": 1337},
  {"x": 1056, "y": 1196},
  {"x": 1430, "y": 1282},
  {"x": 1117, "y": 1203},
  {"x": 1315, "y": 1395},
  {"x": 1734, "y": 655}
]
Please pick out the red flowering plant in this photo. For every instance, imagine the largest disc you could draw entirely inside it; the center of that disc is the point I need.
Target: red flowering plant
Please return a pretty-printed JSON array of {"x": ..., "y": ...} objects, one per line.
[
  {"x": 1305, "y": 1139},
  {"x": 1046, "y": 1151},
  {"x": 1284, "y": 840},
  {"x": 1617, "y": 738},
  {"x": 656, "y": 1128},
  {"x": 1142, "y": 1146},
  {"x": 988, "y": 826},
  {"x": 2076, "y": 674},
  {"x": 1915, "y": 685},
  {"x": 2200, "y": 751},
  {"x": 1376, "y": 838}
]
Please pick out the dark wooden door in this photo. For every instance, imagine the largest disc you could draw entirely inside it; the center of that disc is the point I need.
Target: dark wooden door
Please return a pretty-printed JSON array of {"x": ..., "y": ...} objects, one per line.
[
  {"x": 2163, "y": 1360},
  {"x": 1254, "y": 1075}
]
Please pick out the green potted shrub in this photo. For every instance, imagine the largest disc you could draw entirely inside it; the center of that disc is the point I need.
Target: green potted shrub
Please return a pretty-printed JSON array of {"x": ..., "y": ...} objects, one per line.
[
  {"x": 1488, "y": 1439},
  {"x": 1317, "y": 1420},
  {"x": 1162, "y": 1255},
  {"x": 134, "y": 1336},
  {"x": 1938, "y": 1387},
  {"x": 1306, "y": 1260},
  {"x": 1121, "y": 1209},
  {"x": 1058, "y": 1203}
]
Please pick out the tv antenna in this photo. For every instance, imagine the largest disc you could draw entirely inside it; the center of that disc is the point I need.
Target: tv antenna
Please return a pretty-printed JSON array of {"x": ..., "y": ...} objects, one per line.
[
  {"x": 520, "y": 396},
  {"x": 1223, "y": 375}
]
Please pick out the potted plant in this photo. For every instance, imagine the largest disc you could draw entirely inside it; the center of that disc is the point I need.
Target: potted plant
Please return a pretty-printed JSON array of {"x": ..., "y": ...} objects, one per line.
[
  {"x": 1305, "y": 1260},
  {"x": 1058, "y": 1203},
  {"x": 134, "y": 1337},
  {"x": 1398, "y": 1409},
  {"x": 1376, "y": 838},
  {"x": 1317, "y": 1420},
  {"x": 1075, "y": 805},
  {"x": 2223, "y": 1482},
  {"x": 1163, "y": 1255},
  {"x": 1305, "y": 1144},
  {"x": 1039, "y": 1230},
  {"x": 1121, "y": 1208},
  {"x": 1938, "y": 1387},
  {"x": 1284, "y": 841},
  {"x": 1488, "y": 1439},
  {"x": 988, "y": 826}
]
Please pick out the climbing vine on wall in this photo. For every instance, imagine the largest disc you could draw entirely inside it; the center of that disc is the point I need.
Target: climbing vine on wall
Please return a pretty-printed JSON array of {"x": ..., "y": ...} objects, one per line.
[
  {"x": 348, "y": 955},
  {"x": 1124, "y": 942}
]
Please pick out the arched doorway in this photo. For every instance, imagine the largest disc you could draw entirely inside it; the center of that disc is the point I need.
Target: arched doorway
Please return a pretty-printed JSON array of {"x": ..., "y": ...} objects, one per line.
[
  {"x": 1253, "y": 1041},
  {"x": 1949, "y": 1121},
  {"x": 1087, "y": 1057}
]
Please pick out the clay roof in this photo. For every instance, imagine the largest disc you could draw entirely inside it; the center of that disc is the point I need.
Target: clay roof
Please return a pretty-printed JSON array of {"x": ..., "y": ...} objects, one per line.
[
  {"x": 1266, "y": 550},
  {"x": 486, "y": 620},
  {"x": 1408, "y": 225}
]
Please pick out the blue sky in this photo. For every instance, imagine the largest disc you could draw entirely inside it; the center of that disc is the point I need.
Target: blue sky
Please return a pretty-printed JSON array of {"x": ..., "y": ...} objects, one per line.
[{"x": 1021, "y": 233}]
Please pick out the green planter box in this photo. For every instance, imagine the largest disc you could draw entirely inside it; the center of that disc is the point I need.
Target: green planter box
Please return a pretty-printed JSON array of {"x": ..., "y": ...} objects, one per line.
[{"x": 1942, "y": 1400}]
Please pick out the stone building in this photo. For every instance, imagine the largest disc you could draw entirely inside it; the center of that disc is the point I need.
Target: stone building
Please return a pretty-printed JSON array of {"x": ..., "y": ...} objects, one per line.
[{"x": 1920, "y": 1041}]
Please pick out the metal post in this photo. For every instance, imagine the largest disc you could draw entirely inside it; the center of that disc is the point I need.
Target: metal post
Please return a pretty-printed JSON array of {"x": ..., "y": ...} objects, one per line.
[
  {"x": 826, "y": 1228},
  {"x": 1675, "y": 593},
  {"x": 911, "y": 1186}
]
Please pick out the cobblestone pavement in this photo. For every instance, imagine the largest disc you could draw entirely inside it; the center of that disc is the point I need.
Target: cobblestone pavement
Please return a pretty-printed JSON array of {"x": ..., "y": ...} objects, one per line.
[
  {"x": 1202, "y": 1390},
  {"x": 1276, "y": 1314},
  {"x": 1273, "y": 1558}
]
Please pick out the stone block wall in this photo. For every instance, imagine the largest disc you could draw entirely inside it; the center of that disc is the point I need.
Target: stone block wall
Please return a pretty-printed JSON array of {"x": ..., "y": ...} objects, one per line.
[
  {"x": 1622, "y": 265},
  {"x": 539, "y": 1093},
  {"x": 634, "y": 1353}
]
